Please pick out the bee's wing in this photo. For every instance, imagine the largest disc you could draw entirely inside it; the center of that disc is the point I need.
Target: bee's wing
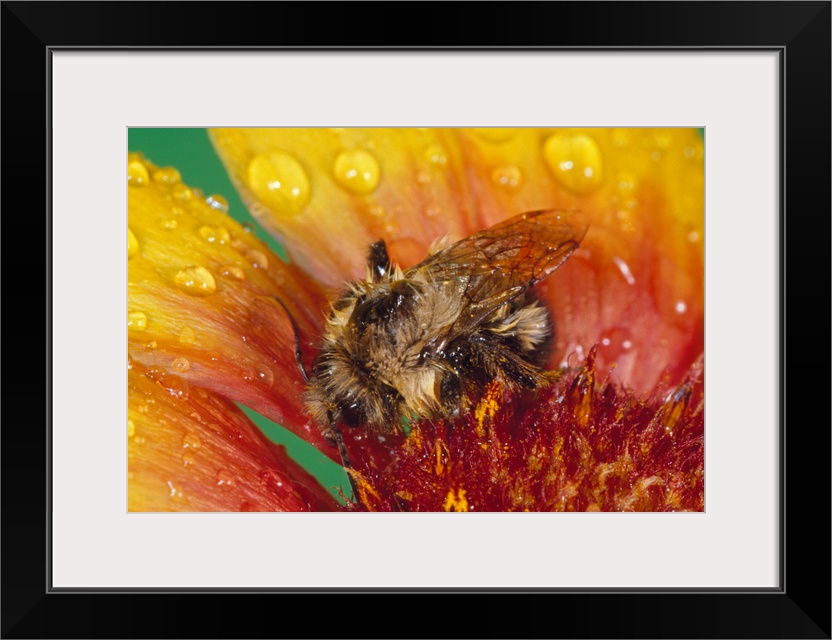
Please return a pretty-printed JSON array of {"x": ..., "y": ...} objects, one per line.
[{"x": 494, "y": 266}]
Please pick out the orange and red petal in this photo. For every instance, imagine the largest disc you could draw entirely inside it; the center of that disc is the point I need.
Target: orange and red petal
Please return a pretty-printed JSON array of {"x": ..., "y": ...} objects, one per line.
[
  {"x": 195, "y": 451},
  {"x": 209, "y": 305},
  {"x": 636, "y": 285}
]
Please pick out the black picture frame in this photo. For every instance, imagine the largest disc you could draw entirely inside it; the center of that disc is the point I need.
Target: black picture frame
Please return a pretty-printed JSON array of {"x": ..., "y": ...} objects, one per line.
[{"x": 798, "y": 608}]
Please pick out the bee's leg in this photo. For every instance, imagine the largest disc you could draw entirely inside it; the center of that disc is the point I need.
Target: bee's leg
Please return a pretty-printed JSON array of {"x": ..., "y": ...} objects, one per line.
[
  {"x": 298, "y": 353},
  {"x": 345, "y": 458},
  {"x": 378, "y": 261}
]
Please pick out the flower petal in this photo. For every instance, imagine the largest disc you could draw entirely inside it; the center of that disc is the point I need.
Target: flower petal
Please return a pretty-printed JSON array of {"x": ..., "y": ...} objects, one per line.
[
  {"x": 636, "y": 285},
  {"x": 210, "y": 305},
  {"x": 191, "y": 450},
  {"x": 327, "y": 194}
]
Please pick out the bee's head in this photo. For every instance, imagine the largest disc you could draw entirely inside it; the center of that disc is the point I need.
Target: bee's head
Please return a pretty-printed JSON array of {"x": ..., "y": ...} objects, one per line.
[{"x": 344, "y": 390}]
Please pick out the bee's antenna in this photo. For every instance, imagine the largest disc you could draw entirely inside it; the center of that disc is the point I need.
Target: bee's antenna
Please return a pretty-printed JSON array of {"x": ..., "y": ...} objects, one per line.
[
  {"x": 342, "y": 449},
  {"x": 298, "y": 353}
]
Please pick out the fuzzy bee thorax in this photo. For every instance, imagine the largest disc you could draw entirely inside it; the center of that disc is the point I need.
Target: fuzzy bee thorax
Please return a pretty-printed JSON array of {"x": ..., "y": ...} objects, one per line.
[{"x": 420, "y": 342}]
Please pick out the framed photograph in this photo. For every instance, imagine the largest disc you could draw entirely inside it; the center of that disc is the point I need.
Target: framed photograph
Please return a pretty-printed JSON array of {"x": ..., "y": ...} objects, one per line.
[{"x": 675, "y": 156}]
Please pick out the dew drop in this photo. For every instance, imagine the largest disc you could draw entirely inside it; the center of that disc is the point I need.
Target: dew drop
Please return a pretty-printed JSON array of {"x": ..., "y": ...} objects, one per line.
[
  {"x": 279, "y": 181},
  {"x": 575, "y": 161},
  {"x": 615, "y": 342},
  {"x": 188, "y": 459},
  {"x": 170, "y": 224},
  {"x": 257, "y": 259},
  {"x": 132, "y": 244},
  {"x": 137, "y": 174},
  {"x": 136, "y": 321},
  {"x": 191, "y": 441},
  {"x": 436, "y": 155},
  {"x": 214, "y": 234},
  {"x": 689, "y": 152},
  {"x": 218, "y": 202},
  {"x": 131, "y": 429},
  {"x": 187, "y": 336},
  {"x": 624, "y": 268},
  {"x": 494, "y": 134},
  {"x": 239, "y": 245},
  {"x": 175, "y": 494},
  {"x": 129, "y": 362},
  {"x": 151, "y": 345},
  {"x": 174, "y": 385},
  {"x": 181, "y": 364},
  {"x": 196, "y": 281},
  {"x": 507, "y": 176},
  {"x": 264, "y": 375},
  {"x": 224, "y": 479},
  {"x": 233, "y": 271},
  {"x": 681, "y": 307},
  {"x": 357, "y": 171},
  {"x": 168, "y": 175},
  {"x": 183, "y": 192}
]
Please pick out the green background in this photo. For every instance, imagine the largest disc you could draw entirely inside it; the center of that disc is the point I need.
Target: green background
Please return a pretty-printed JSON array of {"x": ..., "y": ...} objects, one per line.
[{"x": 191, "y": 153}]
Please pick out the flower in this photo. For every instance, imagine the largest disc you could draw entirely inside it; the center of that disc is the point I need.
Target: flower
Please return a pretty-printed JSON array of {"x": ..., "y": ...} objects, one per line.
[{"x": 213, "y": 315}]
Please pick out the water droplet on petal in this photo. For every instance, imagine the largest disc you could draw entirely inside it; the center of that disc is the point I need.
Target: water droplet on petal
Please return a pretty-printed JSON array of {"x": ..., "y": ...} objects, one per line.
[
  {"x": 615, "y": 342},
  {"x": 436, "y": 155},
  {"x": 257, "y": 259},
  {"x": 166, "y": 174},
  {"x": 507, "y": 176},
  {"x": 191, "y": 441},
  {"x": 357, "y": 171},
  {"x": 181, "y": 364},
  {"x": 131, "y": 429},
  {"x": 187, "y": 336},
  {"x": 170, "y": 224},
  {"x": 183, "y": 192},
  {"x": 624, "y": 268},
  {"x": 218, "y": 202},
  {"x": 137, "y": 174},
  {"x": 681, "y": 307},
  {"x": 151, "y": 345},
  {"x": 279, "y": 181},
  {"x": 175, "y": 494},
  {"x": 214, "y": 234},
  {"x": 196, "y": 281},
  {"x": 233, "y": 271},
  {"x": 188, "y": 459},
  {"x": 129, "y": 362},
  {"x": 136, "y": 321},
  {"x": 224, "y": 479},
  {"x": 575, "y": 161},
  {"x": 174, "y": 385},
  {"x": 264, "y": 375},
  {"x": 132, "y": 244}
]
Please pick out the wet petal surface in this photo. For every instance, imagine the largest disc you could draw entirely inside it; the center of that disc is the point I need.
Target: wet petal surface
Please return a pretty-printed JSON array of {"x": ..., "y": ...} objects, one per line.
[
  {"x": 210, "y": 305},
  {"x": 191, "y": 450}
]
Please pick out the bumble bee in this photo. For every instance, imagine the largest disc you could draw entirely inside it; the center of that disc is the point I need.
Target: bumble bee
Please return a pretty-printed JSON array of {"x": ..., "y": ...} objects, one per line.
[{"x": 418, "y": 343}]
